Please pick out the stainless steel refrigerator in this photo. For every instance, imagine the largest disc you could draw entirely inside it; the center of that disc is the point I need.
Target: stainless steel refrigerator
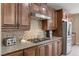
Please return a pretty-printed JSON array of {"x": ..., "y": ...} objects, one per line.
[{"x": 67, "y": 36}]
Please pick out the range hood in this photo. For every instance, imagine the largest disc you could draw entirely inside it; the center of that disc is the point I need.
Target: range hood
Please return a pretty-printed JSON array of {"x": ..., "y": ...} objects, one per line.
[{"x": 40, "y": 16}]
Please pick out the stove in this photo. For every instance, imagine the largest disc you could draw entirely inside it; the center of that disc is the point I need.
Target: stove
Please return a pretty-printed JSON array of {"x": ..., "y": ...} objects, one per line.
[{"x": 37, "y": 40}]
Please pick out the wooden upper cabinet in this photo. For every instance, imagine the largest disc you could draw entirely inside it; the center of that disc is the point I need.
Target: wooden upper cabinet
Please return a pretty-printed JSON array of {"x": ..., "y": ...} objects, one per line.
[
  {"x": 47, "y": 24},
  {"x": 30, "y": 51},
  {"x": 50, "y": 24},
  {"x": 35, "y": 7},
  {"x": 15, "y": 16},
  {"x": 54, "y": 20},
  {"x": 39, "y": 8},
  {"x": 50, "y": 12},
  {"x": 53, "y": 15},
  {"x": 44, "y": 25},
  {"x": 58, "y": 31},
  {"x": 24, "y": 16},
  {"x": 8, "y": 15},
  {"x": 44, "y": 9}
]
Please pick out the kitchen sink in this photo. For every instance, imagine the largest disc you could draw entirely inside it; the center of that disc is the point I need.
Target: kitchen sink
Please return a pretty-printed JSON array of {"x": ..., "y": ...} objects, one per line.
[{"x": 37, "y": 40}]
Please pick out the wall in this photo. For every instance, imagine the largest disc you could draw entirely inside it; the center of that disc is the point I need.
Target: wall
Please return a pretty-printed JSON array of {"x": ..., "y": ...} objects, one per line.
[
  {"x": 34, "y": 31},
  {"x": 75, "y": 24}
]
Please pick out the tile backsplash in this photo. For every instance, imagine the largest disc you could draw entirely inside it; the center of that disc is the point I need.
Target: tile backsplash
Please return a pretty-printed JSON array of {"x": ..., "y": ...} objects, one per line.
[
  {"x": 18, "y": 34},
  {"x": 34, "y": 32}
]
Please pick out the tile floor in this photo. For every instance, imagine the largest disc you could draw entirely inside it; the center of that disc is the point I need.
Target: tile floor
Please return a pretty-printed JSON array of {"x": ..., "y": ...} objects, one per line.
[{"x": 75, "y": 51}]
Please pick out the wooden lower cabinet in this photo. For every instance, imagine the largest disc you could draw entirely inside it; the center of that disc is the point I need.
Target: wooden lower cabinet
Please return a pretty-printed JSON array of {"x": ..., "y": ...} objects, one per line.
[
  {"x": 45, "y": 50},
  {"x": 30, "y": 51},
  {"x": 16, "y": 53},
  {"x": 73, "y": 38},
  {"x": 48, "y": 49},
  {"x": 59, "y": 47},
  {"x": 25, "y": 52},
  {"x": 54, "y": 48},
  {"x": 41, "y": 50}
]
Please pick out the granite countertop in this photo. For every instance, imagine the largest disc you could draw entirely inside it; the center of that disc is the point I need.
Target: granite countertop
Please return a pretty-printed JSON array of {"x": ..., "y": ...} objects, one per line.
[{"x": 27, "y": 44}]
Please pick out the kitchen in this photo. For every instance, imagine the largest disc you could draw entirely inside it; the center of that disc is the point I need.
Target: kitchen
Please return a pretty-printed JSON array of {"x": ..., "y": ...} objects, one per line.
[{"x": 35, "y": 29}]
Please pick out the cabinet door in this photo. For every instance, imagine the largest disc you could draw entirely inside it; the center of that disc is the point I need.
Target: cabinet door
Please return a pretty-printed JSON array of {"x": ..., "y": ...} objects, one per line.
[
  {"x": 54, "y": 20},
  {"x": 59, "y": 47},
  {"x": 17, "y": 53},
  {"x": 24, "y": 17},
  {"x": 54, "y": 48},
  {"x": 50, "y": 22},
  {"x": 43, "y": 9},
  {"x": 45, "y": 22},
  {"x": 35, "y": 7},
  {"x": 42, "y": 50},
  {"x": 58, "y": 31},
  {"x": 30, "y": 51},
  {"x": 52, "y": 13},
  {"x": 8, "y": 13},
  {"x": 48, "y": 49}
]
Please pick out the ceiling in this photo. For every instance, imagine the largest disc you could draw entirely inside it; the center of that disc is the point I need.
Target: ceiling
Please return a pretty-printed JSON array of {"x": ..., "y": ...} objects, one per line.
[{"x": 70, "y": 7}]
